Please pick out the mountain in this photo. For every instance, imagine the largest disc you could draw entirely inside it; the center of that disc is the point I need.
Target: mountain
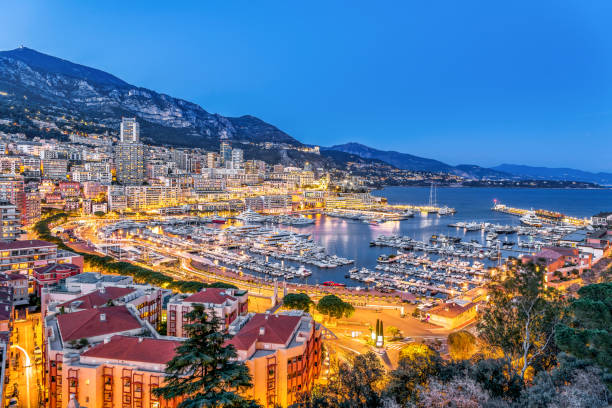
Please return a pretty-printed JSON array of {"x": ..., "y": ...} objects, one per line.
[
  {"x": 400, "y": 160},
  {"x": 55, "y": 87},
  {"x": 548, "y": 173},
  {"x": 415, "y": 163}
]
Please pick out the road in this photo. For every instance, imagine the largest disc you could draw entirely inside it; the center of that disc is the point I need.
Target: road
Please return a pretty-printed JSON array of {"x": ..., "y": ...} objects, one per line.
[{"x": 26, "y": 373}]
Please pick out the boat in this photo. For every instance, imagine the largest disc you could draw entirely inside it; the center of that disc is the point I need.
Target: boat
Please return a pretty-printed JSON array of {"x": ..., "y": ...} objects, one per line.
[
  {"x": 531, "y": 219},
  {"x": 332, "y": 283},
  {"x": 219, "y": 220},
  {"x": 446, "y": 211},
  {"x": 250, "y": 216},
  {"x": 303, "y": 272}
]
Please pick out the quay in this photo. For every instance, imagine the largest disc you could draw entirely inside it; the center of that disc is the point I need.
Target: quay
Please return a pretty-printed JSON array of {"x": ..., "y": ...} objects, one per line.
[{"x": 546, "y": 216}]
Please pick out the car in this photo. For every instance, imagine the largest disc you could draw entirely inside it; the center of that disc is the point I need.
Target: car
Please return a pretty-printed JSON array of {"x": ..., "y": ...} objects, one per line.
[
  {"x": 13, "y": 402},
  {"x": 38, "y": 360},
  {"x": 37, "y": 350}
]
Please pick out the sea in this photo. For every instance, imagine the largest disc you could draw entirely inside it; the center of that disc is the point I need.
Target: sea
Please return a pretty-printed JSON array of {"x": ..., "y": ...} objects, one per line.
[{"x": 351, "y": 238}]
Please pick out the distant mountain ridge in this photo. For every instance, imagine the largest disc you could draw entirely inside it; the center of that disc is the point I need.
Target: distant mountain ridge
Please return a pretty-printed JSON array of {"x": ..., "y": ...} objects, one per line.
[
  {"x": 415, "y": 163},
  {"x": 502, "y": 172},
  {"x": 51, "y": 84},
  {"x": 550, "y": 173}
]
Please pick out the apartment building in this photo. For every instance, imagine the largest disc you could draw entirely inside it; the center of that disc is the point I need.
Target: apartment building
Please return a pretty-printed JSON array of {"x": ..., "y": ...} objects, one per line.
[
  {"x": 24, "y": 256},
  {"x": 227, "y": 304},
  {"x": 10, "y": 221},
  {"x": 282, "y": 352}
]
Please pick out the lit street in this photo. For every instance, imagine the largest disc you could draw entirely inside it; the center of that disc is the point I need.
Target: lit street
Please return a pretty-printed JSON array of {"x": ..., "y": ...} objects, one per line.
[{"x": 25, "y": 372}]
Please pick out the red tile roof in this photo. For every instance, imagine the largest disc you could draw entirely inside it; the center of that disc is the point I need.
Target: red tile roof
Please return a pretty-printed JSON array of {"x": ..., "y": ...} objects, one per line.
[
  {"x": 29, "y": 243},
  {"x": 215, "y": 296},
  {"x": 12, "y": 276},
  {"x": 56, "y": 267},
  {"x": 277, "y": 330},
  {"x": 87, "y": 323},
  {"x": 99, "y": 298},
  {"x": 139, "y": 349}
]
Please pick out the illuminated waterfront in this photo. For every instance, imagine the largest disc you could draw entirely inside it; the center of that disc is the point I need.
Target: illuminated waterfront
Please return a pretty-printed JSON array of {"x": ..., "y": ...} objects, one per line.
[{"x": 351, "y": 238}]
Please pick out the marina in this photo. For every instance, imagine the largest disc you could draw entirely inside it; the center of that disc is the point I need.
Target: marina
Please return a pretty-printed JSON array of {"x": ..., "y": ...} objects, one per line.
[{"x": 393, "y": 248}]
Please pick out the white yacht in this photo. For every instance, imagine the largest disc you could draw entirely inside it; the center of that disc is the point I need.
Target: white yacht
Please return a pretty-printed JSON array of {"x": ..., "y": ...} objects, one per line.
[
  {"x": 446, "y": 211},
  {"x": 250, "y": 216},
  {"x": 531, "y": 219}
]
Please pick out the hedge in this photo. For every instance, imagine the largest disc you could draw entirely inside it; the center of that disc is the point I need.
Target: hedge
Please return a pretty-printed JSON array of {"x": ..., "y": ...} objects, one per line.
[{"x": 109, "y": 265}]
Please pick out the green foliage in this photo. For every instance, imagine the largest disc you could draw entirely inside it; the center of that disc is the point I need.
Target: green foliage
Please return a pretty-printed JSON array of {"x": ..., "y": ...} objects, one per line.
[
  {"x": 497, "y": 377},
  {"x": 298, "y": 301},
  {"x": 204, "y": 372},
  {"x": 109, "y": 265},
  {"x": 334, "y": 307},
  {"x": 461, "y": 345},
  {"x": 573, "y": 383},
  {"x": 99, "y": 213},
  {"x": 416, "y": 365},
  {"x": 358, "y": 383},
  {"x": 521, "y": 317},
  {"x": 588, "y": 333},
  {"x": 394, "y": 332}
]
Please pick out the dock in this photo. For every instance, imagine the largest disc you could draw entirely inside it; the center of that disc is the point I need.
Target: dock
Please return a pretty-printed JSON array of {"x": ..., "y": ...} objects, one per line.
[{"x": 549, "y": 217}]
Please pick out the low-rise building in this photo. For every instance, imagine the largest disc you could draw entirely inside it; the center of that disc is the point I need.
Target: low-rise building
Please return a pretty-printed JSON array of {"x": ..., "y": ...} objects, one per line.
[
  {"x": 227, "y": 305},
  {"x": 52, "y": 273},
  {"x": 453, "y": 314},
  {"x": 67, "y": 336},
  {"x": 282, "y": 352},
  {"x": 19, "y": 284}
]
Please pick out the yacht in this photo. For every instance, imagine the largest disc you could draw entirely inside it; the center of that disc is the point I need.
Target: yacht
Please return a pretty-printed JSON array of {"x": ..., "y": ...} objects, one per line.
[
  {"x": 531, "y": 220},
  {"x": 250, "y": 216},
  {"x": 446, "y": 211}
]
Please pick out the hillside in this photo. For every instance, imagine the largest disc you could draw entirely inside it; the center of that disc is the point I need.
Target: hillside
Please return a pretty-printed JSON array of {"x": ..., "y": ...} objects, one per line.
[
  {"x": 55, "y": 87},
  {"x": 548, "y": 173}
]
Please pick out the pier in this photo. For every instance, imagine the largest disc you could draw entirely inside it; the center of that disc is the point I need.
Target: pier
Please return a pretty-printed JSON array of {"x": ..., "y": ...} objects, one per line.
[{"x": 546, "y": 216}]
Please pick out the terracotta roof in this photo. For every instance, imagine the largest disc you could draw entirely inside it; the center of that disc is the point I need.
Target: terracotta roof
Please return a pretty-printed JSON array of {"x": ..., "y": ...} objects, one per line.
[
  {"x": 139, "y": 349},
  {"x": 277, "y": 329},
  {"x": 87, "y": 323},
  {"x": 29, "y": 243},
  {"x": 450, "y": 309},
  {"x": 12, "y": 276},
  {"x": 55, "y": 266},
  {"x": 215, "y": 296},
  {"x": 563, "y": 251},
  {"x": 99, "y": 298}
]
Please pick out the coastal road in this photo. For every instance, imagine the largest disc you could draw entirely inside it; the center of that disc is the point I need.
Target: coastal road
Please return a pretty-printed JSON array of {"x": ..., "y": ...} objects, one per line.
[{"x": 26, "y": 374}]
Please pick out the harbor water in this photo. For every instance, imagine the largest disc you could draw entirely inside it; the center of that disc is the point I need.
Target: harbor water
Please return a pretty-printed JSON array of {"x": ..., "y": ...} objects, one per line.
[{"x": 351, "y": 238}]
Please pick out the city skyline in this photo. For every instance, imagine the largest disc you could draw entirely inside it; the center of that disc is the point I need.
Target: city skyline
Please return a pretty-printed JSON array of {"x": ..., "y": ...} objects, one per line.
[{"x": 525, "y": 85}]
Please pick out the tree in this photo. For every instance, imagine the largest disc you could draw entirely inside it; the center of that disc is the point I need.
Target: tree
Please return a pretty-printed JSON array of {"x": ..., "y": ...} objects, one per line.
[
  {"x": 573, "y": 383},
  {"x": 99, "y": 214},
  {"x": 358, "y": 383},
  {"x": 204, "y": 371},
  {"x": 416, "y": 365},
  {"x": 497, "y": 377},
  {"x": 521, "y": 317},
  {"x": 588, "y": 333},
  {"x": 461, "y": 345},
  {"x": 334, "y": 307},
  {"x": 298, "y": 301},
  {"x": 458, "y": 393},
  {"x": 394, "y": 332}
]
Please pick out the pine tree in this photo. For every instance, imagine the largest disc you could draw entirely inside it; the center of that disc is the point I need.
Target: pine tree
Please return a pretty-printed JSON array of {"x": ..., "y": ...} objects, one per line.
[{"x": 204, "y": 372}]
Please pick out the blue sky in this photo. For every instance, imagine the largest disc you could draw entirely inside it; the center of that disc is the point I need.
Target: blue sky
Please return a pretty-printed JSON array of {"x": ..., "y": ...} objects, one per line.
[{"x": 481, "y": 82}]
